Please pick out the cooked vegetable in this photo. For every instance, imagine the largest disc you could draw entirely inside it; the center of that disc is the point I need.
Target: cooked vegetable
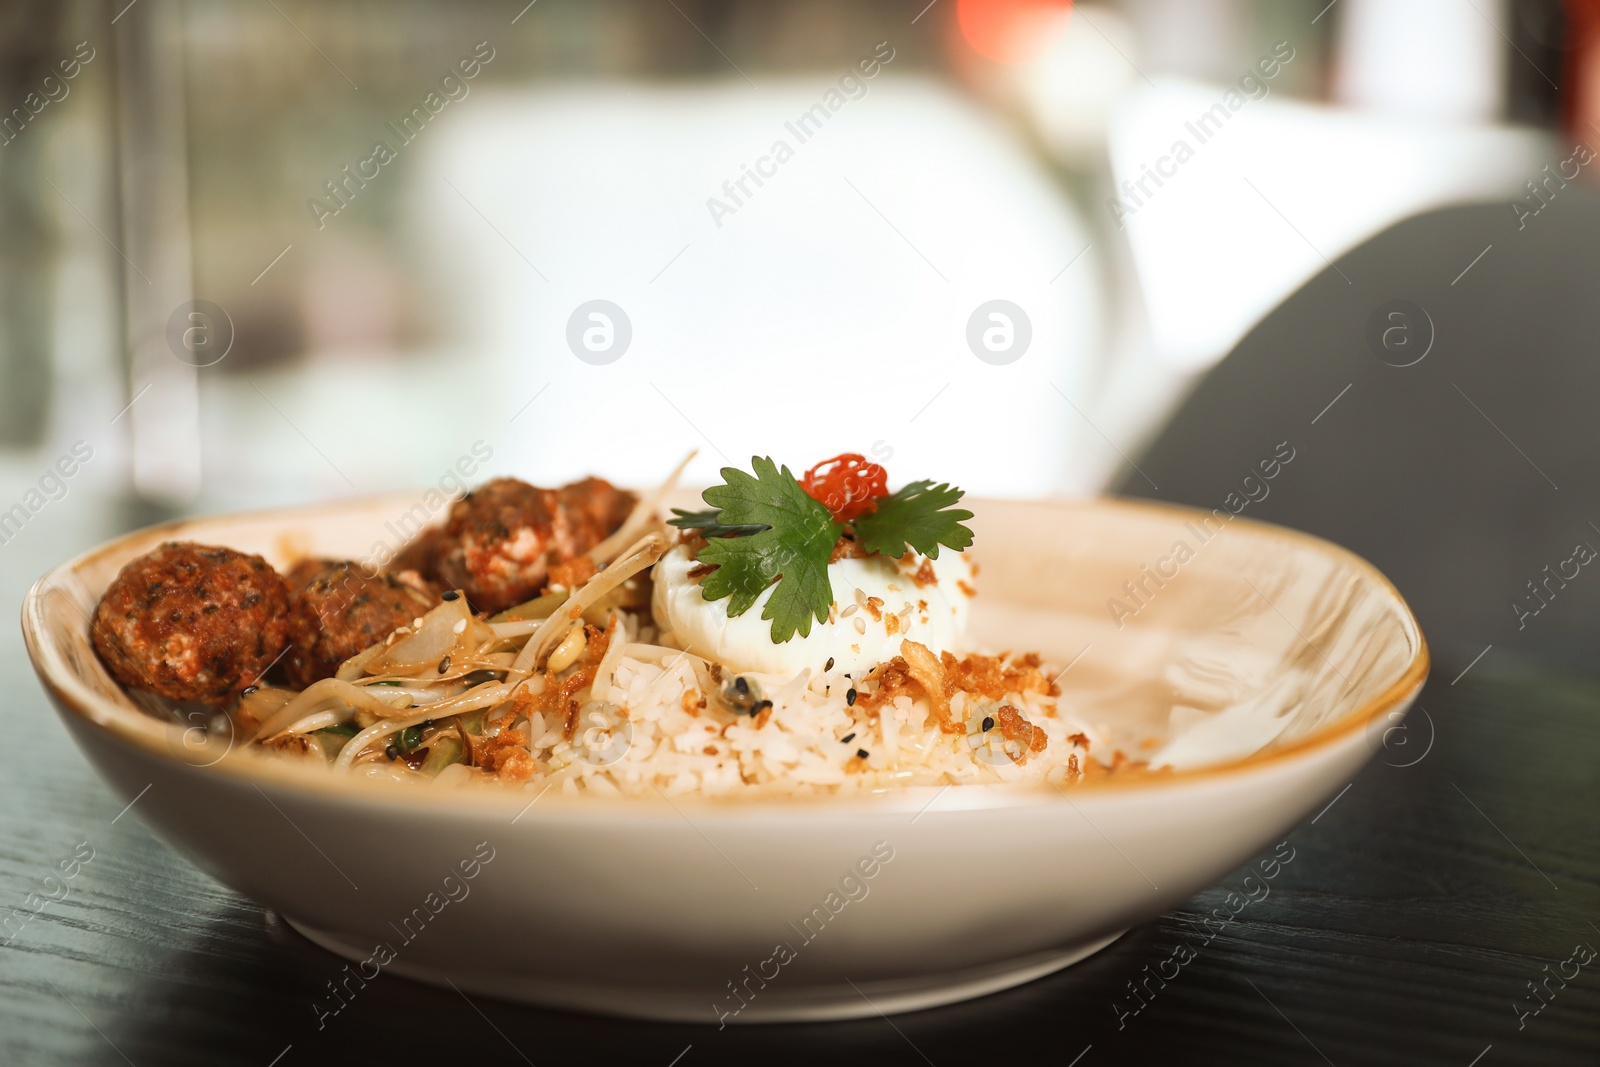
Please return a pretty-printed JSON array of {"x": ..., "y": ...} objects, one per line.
[
  {"x": 640, "y": 555},
  {"x": 444, "y": 632},
  {"x": 540, "y": 607},
  {"x": 442, "y": 751},
  {"x": 568, "y": 651},
  {"x": 631, "y": 595},
  {"x": 335, "y": 737},
  {"x": 640, "y": 519}
]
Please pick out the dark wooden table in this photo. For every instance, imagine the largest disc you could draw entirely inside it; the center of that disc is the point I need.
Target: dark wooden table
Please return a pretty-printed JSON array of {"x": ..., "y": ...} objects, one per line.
[{"x": 1457, "y": 871}]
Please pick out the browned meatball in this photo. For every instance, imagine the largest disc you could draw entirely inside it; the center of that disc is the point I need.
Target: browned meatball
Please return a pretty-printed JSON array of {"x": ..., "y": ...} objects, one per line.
[
  {"x": 503, "y": 537},
  {"x": 417, "y": 554},
  {"x": 600, "y": 502},
  {"x": 303, "y": 570},
  {"x": 192, "y": 622},
  {"x": 342, "y": 610}
]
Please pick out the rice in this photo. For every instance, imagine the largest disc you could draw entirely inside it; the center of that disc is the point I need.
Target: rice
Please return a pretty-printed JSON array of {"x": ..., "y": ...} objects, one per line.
[
  {"x": 645, "y": 731},
  {"x": 635, "y": 715}
]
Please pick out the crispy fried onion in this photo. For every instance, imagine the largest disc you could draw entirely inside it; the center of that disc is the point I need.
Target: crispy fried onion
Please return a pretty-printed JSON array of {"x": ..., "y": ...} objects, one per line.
[{"x": 924, "y": 668}]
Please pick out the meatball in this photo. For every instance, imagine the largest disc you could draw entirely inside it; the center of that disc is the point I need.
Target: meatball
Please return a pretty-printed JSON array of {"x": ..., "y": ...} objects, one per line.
[
  {"x": 341, "y": 610},
  {"x": 600, "y": 502},
  {"x": 303, "y": 570},
  {"x": 192, "y": 622},
  {"x": 502, "y": 538},
  {"x": 418, "y": 553}
]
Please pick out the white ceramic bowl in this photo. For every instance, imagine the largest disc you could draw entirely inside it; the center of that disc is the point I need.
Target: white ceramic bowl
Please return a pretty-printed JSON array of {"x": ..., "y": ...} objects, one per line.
[{"x": 1266, "y": 664}]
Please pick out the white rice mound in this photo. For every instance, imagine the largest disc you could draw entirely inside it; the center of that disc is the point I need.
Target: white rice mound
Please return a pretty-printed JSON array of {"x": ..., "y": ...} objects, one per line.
[{"x": 636, "y": 737}]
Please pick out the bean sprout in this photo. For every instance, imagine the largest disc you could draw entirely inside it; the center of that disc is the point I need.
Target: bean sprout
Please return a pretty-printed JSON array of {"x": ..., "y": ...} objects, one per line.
[
  {"x": 401, "y": 695},
  {"x": 640, "y": 518},
  {"x": 643, "y": 553}
]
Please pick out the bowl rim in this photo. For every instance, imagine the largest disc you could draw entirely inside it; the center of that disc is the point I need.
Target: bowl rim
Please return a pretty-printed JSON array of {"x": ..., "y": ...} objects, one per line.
[{"x": 131, "y": 726}]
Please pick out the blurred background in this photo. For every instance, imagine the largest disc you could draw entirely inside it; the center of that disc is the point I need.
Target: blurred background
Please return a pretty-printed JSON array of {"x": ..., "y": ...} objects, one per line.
[{"x": 266, "y": 251}]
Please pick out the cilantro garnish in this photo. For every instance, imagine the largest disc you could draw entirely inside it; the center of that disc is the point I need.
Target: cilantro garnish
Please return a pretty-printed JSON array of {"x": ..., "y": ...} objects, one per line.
[
  {"x": 793, "y": 550},
  {"x": 918, "y": 514},
  {"x": 766, "y": 529},
  {"x": 706, "y": 522}
]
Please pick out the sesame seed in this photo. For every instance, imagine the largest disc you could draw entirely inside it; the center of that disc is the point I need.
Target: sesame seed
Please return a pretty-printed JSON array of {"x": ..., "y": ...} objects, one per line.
[
  {"x": 247, "y": 690},
  {"x": 847, "y": 738},
  {"x": 861, "y": 626},
  {"x": 861, "y": 753},
  {"x": 444, "y": 664},
  {"x": 850, "y": 697},
  {"x": 393, "y": 752},
  {"x": 828, "y": 666},
  {"x": 451, "y": 595},
  {"x": 988, "y": 723},
  {"x": 849, "y": 611}
]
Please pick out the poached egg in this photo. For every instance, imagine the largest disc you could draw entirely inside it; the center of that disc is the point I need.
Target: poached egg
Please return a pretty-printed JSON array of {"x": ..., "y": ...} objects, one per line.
[{"x": 877, "y": 604}]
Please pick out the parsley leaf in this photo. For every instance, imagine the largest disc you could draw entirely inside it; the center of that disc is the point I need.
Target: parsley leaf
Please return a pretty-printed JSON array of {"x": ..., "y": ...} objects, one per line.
[
  {"x": 792, "y": 550},
  {"x": 706, "y": 522},
  {"x": 918, "y": 514}
]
